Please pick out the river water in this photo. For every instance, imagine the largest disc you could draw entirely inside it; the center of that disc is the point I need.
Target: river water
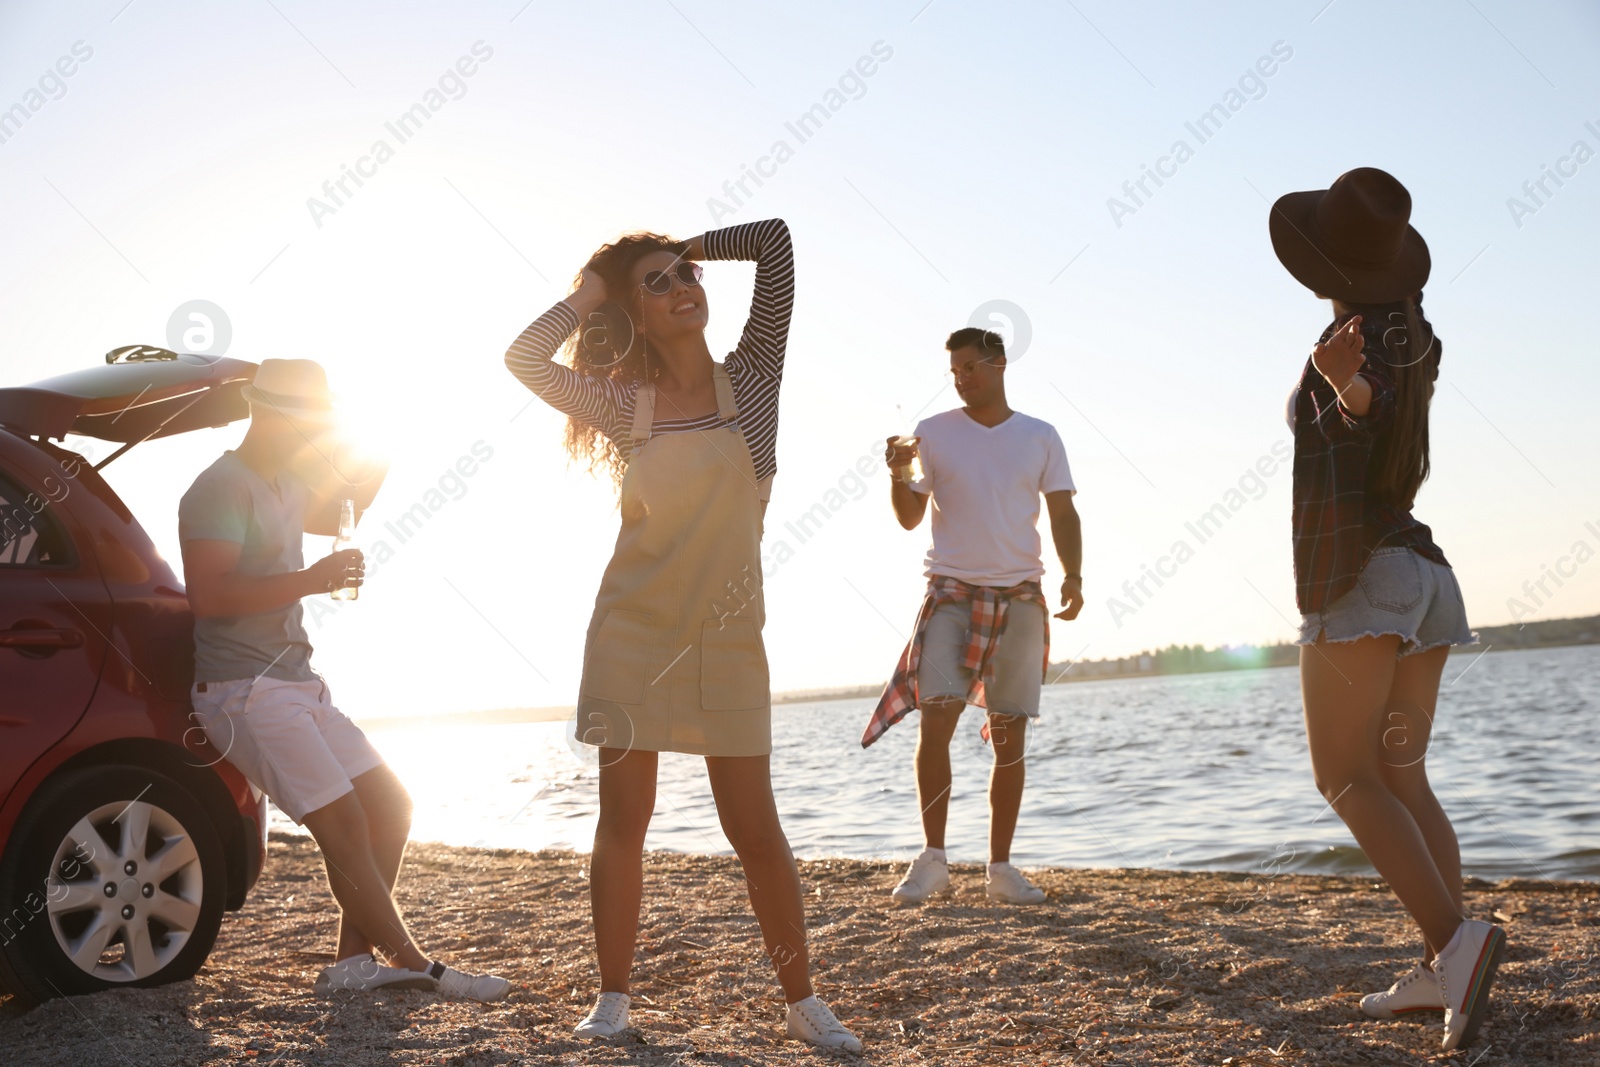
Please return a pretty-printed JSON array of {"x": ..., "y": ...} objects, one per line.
[{"x": 1192, "y": 771}]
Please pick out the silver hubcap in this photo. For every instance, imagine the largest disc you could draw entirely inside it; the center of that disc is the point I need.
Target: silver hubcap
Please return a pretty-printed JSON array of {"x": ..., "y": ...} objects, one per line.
[{"x": 124, "y": 891}]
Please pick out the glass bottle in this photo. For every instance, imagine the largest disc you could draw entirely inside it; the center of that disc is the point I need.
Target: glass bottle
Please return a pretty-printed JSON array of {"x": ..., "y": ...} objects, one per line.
[{"x": 346, "y": 538}]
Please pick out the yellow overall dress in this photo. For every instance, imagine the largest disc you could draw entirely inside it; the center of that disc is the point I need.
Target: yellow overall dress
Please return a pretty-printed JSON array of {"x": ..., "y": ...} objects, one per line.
[{"x": 674, "y": 660}]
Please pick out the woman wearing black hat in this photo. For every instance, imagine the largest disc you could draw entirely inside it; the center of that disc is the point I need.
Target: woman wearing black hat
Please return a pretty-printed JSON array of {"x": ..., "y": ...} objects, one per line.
[{"x": 1379, "y": 603}]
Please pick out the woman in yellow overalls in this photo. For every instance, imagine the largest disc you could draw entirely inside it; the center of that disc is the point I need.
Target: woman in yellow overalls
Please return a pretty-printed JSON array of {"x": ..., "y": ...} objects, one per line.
[{"x": 674, "y": 660}]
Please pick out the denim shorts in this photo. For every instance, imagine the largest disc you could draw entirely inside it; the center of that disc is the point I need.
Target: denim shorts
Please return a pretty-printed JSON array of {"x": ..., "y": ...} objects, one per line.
[
  {"x": 1018, "y": 658},
  {"x": 1398, "y": 592}
]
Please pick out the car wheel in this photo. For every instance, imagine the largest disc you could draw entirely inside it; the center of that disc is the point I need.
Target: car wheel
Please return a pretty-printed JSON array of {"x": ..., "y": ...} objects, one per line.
[{"x": 114, "y": 876}]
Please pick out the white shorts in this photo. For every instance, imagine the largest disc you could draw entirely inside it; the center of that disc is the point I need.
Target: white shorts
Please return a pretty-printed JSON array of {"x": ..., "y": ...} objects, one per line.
[
  {"x": 1018, "y": 658},
  {"x": 287, "y": 738}
]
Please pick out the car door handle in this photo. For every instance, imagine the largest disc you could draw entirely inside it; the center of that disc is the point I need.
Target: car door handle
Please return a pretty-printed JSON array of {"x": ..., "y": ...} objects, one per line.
[{"x": 40, "y": 637}]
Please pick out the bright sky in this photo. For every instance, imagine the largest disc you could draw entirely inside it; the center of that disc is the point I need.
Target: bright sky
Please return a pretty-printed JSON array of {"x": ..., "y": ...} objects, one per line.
[{"x": 973, "y": 164}]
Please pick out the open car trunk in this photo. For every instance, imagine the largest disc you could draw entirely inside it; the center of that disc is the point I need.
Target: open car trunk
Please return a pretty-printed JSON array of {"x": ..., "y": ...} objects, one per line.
[{"x": 141, "y": 392}]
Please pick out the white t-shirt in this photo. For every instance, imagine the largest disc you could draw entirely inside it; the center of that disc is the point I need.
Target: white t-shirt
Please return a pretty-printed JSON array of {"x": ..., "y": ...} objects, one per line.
[{"x": 986, "y": 482}]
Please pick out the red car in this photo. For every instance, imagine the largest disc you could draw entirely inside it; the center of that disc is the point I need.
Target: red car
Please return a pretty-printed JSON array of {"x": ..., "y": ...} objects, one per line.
[{"x": 124, "y": 835}]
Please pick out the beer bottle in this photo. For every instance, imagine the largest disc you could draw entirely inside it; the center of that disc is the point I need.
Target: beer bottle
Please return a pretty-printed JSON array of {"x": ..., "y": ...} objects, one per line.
[{"x": 346, "y": 538}]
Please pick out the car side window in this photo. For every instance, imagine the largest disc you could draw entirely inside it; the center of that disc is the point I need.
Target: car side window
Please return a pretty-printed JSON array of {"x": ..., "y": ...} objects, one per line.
[{"x": 30, "y": 536}]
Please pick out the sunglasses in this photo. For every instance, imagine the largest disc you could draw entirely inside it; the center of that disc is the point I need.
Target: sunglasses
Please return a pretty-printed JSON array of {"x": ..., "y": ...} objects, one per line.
[{"x": 659, "y": 282}]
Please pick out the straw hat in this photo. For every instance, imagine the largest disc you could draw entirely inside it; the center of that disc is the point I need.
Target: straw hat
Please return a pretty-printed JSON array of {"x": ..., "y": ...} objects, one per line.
[
  {"x": 295, "y": 388},
  {"x": 1352, "y": 241}
]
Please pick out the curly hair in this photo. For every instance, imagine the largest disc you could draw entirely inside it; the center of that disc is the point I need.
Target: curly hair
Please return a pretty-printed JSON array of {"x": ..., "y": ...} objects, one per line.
[{"x": 609, "y": 344}]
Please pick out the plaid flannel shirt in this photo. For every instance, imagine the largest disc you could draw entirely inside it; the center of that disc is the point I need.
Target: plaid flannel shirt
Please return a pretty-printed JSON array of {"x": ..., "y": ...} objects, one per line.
[
  {"x": 987, "y": 627},
  {"x": 1336, "y": 525}
]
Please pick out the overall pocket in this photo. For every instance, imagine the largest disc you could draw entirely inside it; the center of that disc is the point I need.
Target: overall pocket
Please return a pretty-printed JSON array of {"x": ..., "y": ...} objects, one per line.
[
  {"x": 733, "y": 666},
  {"x": 1392, "y": 581},
  {"x": 619, "y": 657}
]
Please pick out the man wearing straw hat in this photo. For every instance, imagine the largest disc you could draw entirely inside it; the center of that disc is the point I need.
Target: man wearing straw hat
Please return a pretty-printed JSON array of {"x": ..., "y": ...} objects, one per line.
[{"x": 256, "y": 695}]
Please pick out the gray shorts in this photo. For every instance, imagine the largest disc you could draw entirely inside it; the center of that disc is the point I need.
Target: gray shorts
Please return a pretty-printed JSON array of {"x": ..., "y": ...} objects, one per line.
[
  {"x": 1398, "y": 592},
  {"x": 1018, "y": 658}
]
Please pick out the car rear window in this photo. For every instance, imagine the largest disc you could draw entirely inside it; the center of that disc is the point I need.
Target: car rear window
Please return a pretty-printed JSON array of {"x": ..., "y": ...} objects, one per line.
[{"x": 29, "y": 535}]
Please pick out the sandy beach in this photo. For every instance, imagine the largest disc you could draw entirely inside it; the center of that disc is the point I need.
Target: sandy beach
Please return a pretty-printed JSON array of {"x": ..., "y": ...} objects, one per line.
[{"x": 1116, "y": 967}]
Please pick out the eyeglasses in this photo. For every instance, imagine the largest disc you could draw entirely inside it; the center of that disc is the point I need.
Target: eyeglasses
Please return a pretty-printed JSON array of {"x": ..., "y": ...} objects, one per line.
[{"x": 659, "y": 282}]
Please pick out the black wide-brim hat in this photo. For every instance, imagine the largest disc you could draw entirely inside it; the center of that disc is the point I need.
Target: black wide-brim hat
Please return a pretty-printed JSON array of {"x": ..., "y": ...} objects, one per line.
[{"x": 1352, "y": 241}]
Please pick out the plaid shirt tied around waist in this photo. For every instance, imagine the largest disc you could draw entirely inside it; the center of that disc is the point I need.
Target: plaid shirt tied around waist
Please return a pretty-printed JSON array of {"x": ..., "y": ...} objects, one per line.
[
  {"x": 1337, "y": 523},
  {"x": 984, "y": 631}
]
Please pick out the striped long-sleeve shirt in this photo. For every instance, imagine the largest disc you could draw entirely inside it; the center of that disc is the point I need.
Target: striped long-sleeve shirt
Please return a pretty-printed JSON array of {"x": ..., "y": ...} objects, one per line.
[{"x": 755, "y": 367}]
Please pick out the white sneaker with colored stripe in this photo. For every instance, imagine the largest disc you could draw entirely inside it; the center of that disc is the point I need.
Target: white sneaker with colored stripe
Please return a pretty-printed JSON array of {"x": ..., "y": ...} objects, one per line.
[
  {"x": 1415, "y": 991},
  {"x": 810, "y": 1020},
  {"x": 1466, "y": 968}
]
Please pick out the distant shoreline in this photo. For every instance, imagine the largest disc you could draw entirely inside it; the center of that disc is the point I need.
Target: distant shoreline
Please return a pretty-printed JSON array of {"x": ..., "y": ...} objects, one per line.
[{"x": 1173, "y": 660}]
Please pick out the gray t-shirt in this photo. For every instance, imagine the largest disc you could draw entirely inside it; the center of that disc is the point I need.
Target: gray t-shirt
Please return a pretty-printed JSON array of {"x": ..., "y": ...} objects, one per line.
[{"x": 231, "y": 502}]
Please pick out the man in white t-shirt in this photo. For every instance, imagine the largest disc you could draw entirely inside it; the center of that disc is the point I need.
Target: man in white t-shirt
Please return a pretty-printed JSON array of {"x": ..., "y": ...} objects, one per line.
[{"x": 982, "y": 636}]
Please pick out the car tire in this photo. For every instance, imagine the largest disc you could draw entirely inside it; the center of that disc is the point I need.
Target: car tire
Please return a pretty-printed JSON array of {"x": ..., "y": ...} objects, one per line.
[{"x": 114, "y": 876}]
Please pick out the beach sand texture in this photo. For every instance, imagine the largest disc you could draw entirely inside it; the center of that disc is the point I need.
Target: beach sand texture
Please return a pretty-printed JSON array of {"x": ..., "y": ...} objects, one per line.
[{"x": 1117, "y": 967}]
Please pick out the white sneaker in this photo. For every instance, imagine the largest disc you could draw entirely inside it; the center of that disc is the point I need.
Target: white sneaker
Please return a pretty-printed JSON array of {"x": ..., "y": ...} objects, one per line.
[
  {"x": 1005, "y": 882},
  {"x": 929, "y": 874},
  {"x": 363, "y": 973},
  {"x": 464, "y": 986},
  {"x": 1417, "y": 990},
  {"x": 810, "y": 1020},
  {"x": 1466, "y": 969},
  {"x": 608, "y": 1017}
]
